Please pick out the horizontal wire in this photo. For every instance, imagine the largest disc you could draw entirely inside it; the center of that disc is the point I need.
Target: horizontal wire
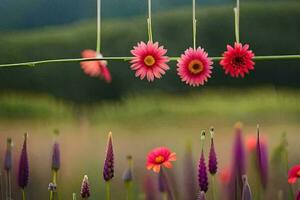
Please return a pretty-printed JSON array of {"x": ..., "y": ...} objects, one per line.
[{"x": 64, "y": 60}]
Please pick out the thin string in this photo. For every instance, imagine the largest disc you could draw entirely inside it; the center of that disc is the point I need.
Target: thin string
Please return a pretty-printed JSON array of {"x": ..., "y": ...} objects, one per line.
[
  {"x": 194, "y": 24},
  {"x": 237, "y": 21},
  {"x": 149, "y": 22},
  {"x": 98, "y": 45}
]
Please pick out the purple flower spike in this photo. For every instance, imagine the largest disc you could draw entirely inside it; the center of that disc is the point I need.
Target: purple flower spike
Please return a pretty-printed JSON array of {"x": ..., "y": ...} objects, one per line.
[
  {"x": 56, "y": 157},
  {"x": 85, "y": 188},
  {"x": 262, "y": 159},
  {"x": 8, "y": 156},
  {"x": 128, "y": 173},
  {"x": 149, "y": 188},
  {"x": 247, "y": 195},
  {"x": 108, "y": 171},
  {"x": 213, "y": 162},
  {"x": 23, "y": 175},
  {"x": 161, "y": 182},
  {"x": 298, "y": 196},
  {"x": 202, "y": 171},
  {"x": 189, "y": 178}
]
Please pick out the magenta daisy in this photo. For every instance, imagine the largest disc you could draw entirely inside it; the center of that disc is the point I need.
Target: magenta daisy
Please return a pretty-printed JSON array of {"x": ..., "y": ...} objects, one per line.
[
  {"x": 194, "y": 66},
  {"x": 149, "y": 60},
  {"x": 238, "y": 60}
]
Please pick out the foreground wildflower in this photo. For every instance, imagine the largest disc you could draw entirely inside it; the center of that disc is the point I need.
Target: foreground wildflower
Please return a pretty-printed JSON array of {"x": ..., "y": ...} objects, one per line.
[
  {"x": 247, "y": 194},
  {"x": 158, "y": 157},
  {"x": 294, "y": 174},
  {"x": 85, "y": 188},
  {"x": 96, "y": 68},
  {"x": 298, "y": 196},
  {"x": 212, "y": 162},
  {"x": 8, "y": 166},
  {"x": 202, "y": 171},
  {"x": 238, "y": 60},
  {"x": 194, "y": 67},
  {"x": 52, "y": 187},
  {"x": 262, "y": 158},
  {"x": 23, "y": 174},
  {"x": 108, "y": 170},
  {"x": 149, "y": 188},
  {"x": 149, "y": 60}
]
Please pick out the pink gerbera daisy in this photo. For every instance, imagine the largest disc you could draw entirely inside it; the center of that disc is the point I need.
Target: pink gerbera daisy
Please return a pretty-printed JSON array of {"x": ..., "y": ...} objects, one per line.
[
  {"x": 294, "y": 174},
  {"x": 96, "y": 68},
  {"x": 158, "y": 157},
  {"x": 238, "y": 60},
  {"x": 194, "y": 66},
  {"x": 149, "y": 60}
]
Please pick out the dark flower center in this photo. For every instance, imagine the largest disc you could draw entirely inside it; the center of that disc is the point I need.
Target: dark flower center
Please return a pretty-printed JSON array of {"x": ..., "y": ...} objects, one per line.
[
  {"x": 238, "y": 61},
  {"x": 195, "y": 66}
]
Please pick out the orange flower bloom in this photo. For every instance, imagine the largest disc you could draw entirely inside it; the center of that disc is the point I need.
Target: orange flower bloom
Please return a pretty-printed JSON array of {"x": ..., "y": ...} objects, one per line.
[
  {"x": 160, "y": 156},
  {"x": 294, "y": 174}
]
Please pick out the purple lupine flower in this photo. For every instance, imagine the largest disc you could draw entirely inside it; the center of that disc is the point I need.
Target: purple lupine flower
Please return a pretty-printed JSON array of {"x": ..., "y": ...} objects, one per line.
[
  {"x": 56, "y": 157},
  {"x": 212, "y": 162},
  {"x": 149, "y": 188},
  {"x": 23, "y": 175},
  {"x": 202, "y": 171},
  {"x": 85, "y": 188},
  {"x": 238, "y": 165},
  {"x": 189, "y": 177},
  {"x": 246, "y": 195},
  {"x": 262, "y": 160},
  {"x": 128, "y": 173},
  {"x": 8, "y": 155},
  {"x": 202, "y": 196},
  {"x": 162, "y": 187},
  {"x": 108, "y": 170},
  {"x": 298, "y": 196}
]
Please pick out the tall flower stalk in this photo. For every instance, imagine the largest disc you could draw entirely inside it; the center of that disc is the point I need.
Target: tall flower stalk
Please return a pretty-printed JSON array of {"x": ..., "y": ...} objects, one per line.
[
  {"x": 108, "y": 170},
  {"x": 189, "y": 174},
  {"x": 55, "y": 165},
  {"x": 128, "y": 178},
  {"x": 212, "y": 163},
  {"x": 202, "y": 170},
  {"x": 85, "y": 188},
  {"x": 23, "y": 174},
  {"x": 8, "y": 167}
]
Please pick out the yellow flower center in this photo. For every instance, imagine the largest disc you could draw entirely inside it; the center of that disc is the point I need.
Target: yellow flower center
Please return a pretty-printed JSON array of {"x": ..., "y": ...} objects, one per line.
[
  {"x": 149, "y": 60},
  {"x": 196, "y": 66},
  {"x": 159, "y": 159}
]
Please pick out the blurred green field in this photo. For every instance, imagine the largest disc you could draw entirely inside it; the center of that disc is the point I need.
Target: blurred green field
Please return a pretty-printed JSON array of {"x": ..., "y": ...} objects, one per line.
[{"x": 270, "y": 28}]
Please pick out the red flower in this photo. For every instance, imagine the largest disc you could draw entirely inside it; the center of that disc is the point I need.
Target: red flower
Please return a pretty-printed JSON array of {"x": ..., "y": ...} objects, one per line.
[
  {"x": 224, "y": 176},
  {"x": 96, "y": 68},
  {"x": 294, "y": 173},
  {"x": 238, "y": 60},
  {"x": 160, "y": 156}
]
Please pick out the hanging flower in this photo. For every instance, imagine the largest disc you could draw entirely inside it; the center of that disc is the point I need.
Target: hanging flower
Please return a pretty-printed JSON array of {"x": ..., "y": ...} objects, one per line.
[
  {"x": 238, "y": 60},
  {"x": 194, "y": 67},
  {"x": 108, "y": 170},
  {"x": 158, "y": 157},
  {"x": 96, "y": 68},
  {"x": 294, "y": 174},
  {"x": 149, "y": 60},
  {"x": 85, "y": 188}
]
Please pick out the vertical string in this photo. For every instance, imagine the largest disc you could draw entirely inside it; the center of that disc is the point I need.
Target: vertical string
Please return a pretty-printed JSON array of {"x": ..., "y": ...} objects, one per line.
[
  {"x": 237, "y": 21},
  {"x": 149, "y": 21},
  {"x": 98, "y": 45},
  {"x": 194, "y": 24}
]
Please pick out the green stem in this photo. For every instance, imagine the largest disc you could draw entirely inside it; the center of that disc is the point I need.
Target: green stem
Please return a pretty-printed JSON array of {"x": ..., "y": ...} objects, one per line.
[
  {"x": 23, "y": 194},
  {"x": 98, "y": 45},
  {"x": 128, "y": 186},
  {"x": 194, "y": 24},
  {"x": 213, "y": 187},
  {"x": 107, "y": 190},
  {"x": 237, "y": 21},
  {"x": 149, "y": 21},
  {"x": 124, "y": 58},
  {"x": 74, "y": 196}
]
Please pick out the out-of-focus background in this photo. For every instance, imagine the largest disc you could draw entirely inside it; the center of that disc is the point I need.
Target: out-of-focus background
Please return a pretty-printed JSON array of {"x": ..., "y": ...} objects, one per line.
[{"x": 141, "y": 115}]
